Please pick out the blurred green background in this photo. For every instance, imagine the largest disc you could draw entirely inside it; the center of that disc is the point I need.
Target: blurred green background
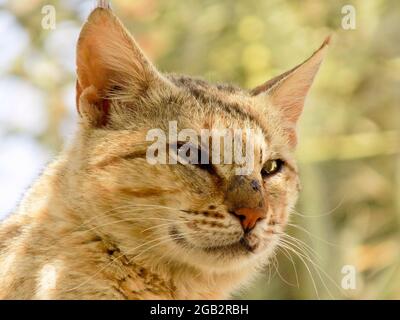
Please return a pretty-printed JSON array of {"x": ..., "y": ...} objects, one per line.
[{"x": 349, "y": 152}]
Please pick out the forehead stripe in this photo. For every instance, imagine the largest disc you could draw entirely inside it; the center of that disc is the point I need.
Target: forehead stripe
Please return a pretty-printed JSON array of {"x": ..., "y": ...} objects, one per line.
[{"x": 228, "y": 107}]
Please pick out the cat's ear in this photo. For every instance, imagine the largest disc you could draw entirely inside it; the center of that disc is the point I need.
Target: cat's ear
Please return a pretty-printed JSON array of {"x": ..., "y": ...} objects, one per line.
[
  {"x": 108, "y": 58},
  {"x": 288, "y": 91}
]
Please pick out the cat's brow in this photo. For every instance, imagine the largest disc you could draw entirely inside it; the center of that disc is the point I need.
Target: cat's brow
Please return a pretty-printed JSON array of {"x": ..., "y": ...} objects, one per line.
[
  {"x": 229, "y": 107},
  {"x": 130, "y": 155}
]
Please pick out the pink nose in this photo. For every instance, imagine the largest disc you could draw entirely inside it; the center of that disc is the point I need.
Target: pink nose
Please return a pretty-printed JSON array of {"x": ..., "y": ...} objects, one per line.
[{"x": 249, "y": 217}]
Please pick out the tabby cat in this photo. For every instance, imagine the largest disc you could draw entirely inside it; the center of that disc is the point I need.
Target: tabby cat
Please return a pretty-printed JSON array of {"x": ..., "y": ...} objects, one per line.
[{"x": 103, "y": 223}]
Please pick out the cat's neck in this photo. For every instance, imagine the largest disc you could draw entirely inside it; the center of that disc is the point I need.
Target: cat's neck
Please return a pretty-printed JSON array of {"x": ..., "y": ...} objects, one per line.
[{"x": 152, "y": 277}]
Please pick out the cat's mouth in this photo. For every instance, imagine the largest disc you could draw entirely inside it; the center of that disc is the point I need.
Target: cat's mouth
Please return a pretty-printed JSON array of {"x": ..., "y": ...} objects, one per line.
[{"x": 242, "y": 246}]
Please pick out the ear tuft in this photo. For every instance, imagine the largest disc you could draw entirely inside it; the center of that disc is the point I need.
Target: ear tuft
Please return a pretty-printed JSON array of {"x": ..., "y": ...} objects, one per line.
[{"x": 105, "y": 4}]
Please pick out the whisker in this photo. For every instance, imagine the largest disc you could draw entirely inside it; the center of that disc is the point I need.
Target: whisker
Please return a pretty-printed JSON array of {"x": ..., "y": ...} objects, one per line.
[
  {"x": 176, "y": 237},
  {"x": 131, "y": 219},
  {"x": 280, "y": 276},
  {"x": 312, "y": 235},
  {"x": 302, "y": 246},
  {"x": 322, "y": 214},
  {"x": 133, "y": 208},
  {"x": 319, "y": 269},
  {"x": 305, "y": 264},
  {"x": 313, "y": 264},
  {"x": 287, "y": 255},
  {"x": 165, "y": 224}
]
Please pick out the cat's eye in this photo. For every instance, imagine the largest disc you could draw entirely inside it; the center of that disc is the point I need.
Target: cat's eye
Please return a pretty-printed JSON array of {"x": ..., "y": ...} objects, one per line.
[
  {"x": 271, "y": 167},
  {"x": 200, "y": 158}
]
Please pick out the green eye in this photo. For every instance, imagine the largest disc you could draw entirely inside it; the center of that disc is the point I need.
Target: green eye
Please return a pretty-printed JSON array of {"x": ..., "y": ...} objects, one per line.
[{"x": 271, "y": 167}]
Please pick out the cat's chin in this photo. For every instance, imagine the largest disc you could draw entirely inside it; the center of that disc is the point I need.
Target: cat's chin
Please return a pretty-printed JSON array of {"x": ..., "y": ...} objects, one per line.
[{"x": 240, "y": 253}]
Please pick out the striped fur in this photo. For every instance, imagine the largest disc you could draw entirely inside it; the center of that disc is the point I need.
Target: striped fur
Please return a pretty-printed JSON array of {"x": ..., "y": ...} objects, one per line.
[{"x": 103, "y": 223}]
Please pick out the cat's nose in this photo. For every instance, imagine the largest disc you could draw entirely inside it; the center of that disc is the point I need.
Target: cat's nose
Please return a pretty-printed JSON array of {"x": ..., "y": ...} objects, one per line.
[
  {"x": 249, "y": 217},
  {"x": 245, "y": 199}
]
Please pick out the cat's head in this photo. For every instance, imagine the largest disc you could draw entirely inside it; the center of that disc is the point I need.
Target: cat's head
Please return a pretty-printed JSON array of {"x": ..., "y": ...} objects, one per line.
[{"x": 206, "y": 215}]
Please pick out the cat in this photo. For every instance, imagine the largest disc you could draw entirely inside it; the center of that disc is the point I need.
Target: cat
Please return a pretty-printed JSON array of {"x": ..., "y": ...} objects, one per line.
[{"x": 103, "y": 223}]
